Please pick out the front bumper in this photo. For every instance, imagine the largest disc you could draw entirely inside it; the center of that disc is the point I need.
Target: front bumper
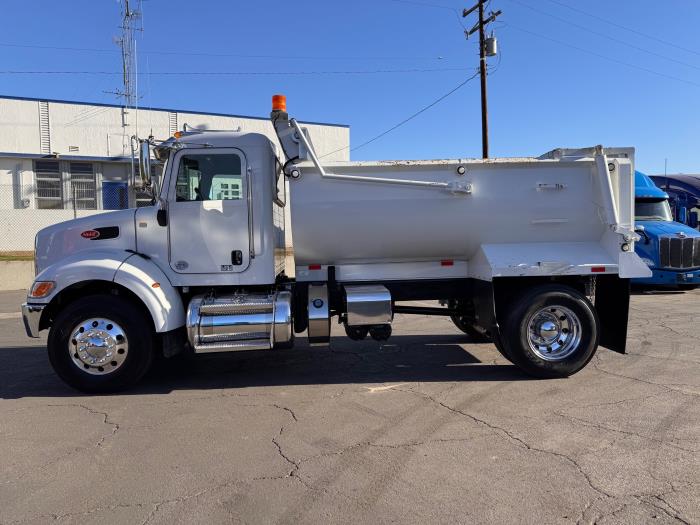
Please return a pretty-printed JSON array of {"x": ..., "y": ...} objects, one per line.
[
  {"x": 672, "y": 278},
  {"x": 31, "y": 313}
]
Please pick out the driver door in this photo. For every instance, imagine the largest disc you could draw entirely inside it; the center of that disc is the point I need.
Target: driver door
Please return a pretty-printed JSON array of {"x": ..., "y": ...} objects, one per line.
[{"x": 208, "y": 216}]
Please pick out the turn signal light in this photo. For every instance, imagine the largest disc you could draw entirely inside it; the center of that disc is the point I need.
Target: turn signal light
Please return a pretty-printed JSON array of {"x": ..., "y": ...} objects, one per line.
[
  {"x": 279, "y": 103},
  {"x": 41, "y": 289},
  {"x": 177, "y": 134}
]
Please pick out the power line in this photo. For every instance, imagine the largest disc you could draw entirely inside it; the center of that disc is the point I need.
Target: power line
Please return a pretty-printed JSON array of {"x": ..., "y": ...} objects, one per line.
[
  {"x": 238, "y": 73},
  {"x": 626, "y": 28},
  {"x": 425, "y": 4},
  {"x": 603, "y": 35},
  {"x": 604, "y": 57},
  {"x": 223, "y": 55},
  {"x": 456, "y": 11},
  {"x": 406, "y": 120}
]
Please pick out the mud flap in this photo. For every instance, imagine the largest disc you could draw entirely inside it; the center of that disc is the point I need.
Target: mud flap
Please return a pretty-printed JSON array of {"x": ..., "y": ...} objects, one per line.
[
  {"x": 483, "y": 294},
  {"x": 612, "y": 302}
]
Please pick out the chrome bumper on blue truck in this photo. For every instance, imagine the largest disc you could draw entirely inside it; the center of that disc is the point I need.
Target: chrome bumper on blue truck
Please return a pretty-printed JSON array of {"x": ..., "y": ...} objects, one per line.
[
  {"x": 31, "y": 314},
  {"x": 664, "y": 277}
]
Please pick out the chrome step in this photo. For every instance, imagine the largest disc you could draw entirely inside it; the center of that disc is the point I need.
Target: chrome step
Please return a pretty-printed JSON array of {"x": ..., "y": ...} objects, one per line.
[
  {"x": 233, "y": 337},
  {"x": 228, "y": 306},
  {"x": 232, "y": 346}
]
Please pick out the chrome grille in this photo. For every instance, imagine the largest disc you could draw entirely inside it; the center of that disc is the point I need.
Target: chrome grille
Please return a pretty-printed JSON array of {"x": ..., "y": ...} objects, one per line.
[{"x": 679, "y": 252}]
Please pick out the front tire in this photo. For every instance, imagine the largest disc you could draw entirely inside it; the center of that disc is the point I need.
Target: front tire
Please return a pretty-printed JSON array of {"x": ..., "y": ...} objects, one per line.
[
  {"x": 551, "y": 332},
  {"x": 101, "y": 343}
]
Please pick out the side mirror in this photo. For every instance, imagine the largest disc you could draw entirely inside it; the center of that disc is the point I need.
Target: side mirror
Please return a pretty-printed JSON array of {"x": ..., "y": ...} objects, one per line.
[
  {"x": 145, "y": 161},
  {"x": 683, "y": 215},
  {"x": 693, "y": 219}
]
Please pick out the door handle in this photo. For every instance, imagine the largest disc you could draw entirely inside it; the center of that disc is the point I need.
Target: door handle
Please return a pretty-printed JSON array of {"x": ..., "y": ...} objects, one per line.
[{"x": 237, "y": 257}]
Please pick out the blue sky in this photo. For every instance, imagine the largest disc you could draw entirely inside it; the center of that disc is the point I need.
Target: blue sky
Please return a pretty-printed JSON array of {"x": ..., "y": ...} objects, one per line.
[{"x": 563, "y": 78}]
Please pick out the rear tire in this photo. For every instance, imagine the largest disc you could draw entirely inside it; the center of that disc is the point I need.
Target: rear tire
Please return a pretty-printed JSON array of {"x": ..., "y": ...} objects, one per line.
[
  {"x": 101, "y": 343},
  {"x": 498, "y": 343},
  {"x": 551, "y": 332}
]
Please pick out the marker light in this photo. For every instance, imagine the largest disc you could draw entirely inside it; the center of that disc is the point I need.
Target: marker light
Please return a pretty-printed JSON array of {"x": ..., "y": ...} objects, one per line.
[
  {"x": 177, "y": 134},
  {"x": 279, "y": 103},
  {"x": 41, "y": 289}
]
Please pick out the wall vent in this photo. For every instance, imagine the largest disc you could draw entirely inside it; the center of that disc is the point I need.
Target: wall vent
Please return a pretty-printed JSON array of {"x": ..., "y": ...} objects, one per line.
[
  {"x": 73, "y": 148},
  {"x": 172, "y": 123},
  {"x": 44, "y": 128}
]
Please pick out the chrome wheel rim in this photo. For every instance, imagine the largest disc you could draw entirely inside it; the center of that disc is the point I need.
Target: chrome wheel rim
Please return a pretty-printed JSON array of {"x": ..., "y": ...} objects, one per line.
[
  {"x": 554, "y": 332},
  {"x": 98, "y": 346}
]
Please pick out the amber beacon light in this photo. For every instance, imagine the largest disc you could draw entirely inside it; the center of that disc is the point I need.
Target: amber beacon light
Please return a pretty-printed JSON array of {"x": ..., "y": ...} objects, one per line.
[{"x": 279, "y": 103}]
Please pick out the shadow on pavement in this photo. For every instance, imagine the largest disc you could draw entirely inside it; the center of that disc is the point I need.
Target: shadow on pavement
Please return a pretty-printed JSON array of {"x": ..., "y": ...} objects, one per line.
[{"x": 25, "y": 371}]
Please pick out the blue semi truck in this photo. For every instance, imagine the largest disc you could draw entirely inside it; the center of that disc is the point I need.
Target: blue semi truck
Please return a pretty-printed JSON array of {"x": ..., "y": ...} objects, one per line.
[
  {"x": 670, "y": 249},
  {"x": 684, "y": 196}
]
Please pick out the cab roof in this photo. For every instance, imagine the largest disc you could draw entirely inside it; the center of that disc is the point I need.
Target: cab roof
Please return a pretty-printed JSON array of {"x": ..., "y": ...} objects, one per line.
[
  {"x": 216, "y": 139},
  {"x": 646, "y": 189}
]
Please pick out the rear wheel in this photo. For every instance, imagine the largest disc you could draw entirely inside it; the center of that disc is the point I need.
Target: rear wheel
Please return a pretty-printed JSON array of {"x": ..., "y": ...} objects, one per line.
[
  {"x": 498, "y": 343},
  {"x": 100, "y": 344},
  {"x": 551, "y": 332}
]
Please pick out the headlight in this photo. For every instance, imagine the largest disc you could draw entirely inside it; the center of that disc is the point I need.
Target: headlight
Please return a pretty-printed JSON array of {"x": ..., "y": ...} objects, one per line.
[{"x": 41, "y": 289}]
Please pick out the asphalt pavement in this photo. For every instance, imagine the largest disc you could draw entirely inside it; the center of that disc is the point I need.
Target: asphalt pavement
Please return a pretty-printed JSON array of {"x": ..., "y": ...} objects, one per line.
[{"x": 425, "y": 428}]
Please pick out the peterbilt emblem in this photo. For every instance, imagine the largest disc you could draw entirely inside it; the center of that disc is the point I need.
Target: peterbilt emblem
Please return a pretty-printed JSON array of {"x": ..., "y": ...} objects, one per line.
[{"x": 90, "y": 234}]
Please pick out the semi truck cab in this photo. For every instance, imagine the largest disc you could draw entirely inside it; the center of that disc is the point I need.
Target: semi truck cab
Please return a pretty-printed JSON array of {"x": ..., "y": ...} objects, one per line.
[
  {"x": 684, "y": 196},
  {"x": 670, "y": 249}
]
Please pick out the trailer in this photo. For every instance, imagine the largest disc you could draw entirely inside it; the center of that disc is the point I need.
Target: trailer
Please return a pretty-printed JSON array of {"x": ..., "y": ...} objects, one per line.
[{"x": 532, "y": 254}]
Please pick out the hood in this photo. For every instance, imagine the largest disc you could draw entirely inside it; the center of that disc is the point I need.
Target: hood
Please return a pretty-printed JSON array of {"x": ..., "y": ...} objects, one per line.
[
  {"x": 667, "y": 228},
  {"x": 113, "y": 230},
  {"x": 646, "y": 189}
]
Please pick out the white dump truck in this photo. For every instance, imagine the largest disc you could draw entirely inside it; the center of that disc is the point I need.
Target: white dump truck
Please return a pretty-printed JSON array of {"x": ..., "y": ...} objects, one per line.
[{"x": 533, "y": 254}]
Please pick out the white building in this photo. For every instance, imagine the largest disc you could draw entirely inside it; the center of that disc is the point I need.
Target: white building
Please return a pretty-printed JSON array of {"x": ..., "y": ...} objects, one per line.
[{"x": 61, "y": 159}]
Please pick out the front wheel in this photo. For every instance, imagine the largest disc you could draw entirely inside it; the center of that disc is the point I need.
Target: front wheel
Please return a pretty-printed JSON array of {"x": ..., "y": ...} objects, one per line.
[
  {"x": 551, "y": 331},
  {"x": 100, "y": 343}
]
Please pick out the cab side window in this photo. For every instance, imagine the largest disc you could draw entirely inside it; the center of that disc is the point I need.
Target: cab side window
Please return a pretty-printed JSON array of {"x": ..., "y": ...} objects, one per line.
[{"x": 209, "y": 178}]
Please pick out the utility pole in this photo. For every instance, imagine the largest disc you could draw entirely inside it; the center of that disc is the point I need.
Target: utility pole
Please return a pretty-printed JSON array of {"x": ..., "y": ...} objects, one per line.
[
  {"x": 487, "y": 47},
  {"x": 131, "y": 15}
]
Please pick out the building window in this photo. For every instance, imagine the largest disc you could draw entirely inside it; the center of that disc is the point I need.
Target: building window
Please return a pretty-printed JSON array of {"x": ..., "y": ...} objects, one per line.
[
  {"x": 49, "y": 185},
  {"x": 83, "y": 186},
  {"x": 144, "y": 198}
]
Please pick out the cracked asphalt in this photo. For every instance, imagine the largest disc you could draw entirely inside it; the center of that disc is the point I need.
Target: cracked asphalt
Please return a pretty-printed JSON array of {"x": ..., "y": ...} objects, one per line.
[{"x": 427, "y": 427}]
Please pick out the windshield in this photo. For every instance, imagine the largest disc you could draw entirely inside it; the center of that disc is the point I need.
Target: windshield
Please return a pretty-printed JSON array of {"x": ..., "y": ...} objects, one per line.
[{"x": 652, "y": 210}]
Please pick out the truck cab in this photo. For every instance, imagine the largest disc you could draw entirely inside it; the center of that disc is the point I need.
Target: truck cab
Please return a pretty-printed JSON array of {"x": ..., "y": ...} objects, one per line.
[
  {"x": 671, "y": 249},
  {"x": 684, "y": 196}
]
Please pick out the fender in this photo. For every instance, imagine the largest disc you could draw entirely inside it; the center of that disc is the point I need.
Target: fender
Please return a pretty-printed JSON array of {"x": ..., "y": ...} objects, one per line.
[
  {"x": 95, "y": 265},
  {"x": 126, "y": 269},
  {"x": 151, "y": 285}
]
